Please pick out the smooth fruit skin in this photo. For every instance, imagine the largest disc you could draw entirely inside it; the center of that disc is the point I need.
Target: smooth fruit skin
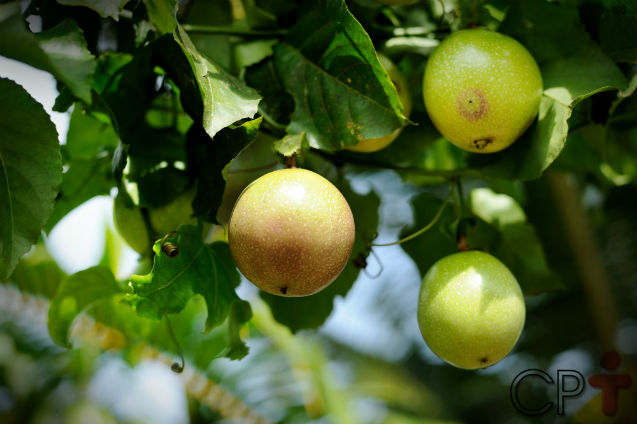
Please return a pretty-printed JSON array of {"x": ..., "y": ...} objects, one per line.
[
  {"x": 471, "y": 310},
  {"x": 375, "y": 144},
  {"x": 291, "y": 232},
  {"x": 482, "y": 89}
]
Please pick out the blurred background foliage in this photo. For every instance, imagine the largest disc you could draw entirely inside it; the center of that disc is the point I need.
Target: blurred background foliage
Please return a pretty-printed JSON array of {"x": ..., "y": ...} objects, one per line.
[{"x": 563, "y": 221}]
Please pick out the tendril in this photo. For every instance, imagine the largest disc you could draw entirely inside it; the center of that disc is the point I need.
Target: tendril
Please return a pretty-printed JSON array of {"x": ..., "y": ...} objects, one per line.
[{"x": 426, "y": 227}]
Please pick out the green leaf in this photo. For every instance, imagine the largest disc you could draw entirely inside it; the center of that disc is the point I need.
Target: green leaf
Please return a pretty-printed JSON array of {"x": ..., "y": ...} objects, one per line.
[
  {"x": 502, "y": 229},
  {"x": 494, "y": 208},
  {"x": 240, "y": 314},
  {"x": 341, "y": 92},
  {"x": 89, "y": 134},
  {"x": 82, "y": 180},
  {"x": 60, "y": 50},
  {"x": 30, "y": 172},
  {"x": 311, "y": 311},
  {"x": 198, "y": 268},
  {"x": 75, "y": 294},
  {"x": 210, "y": 159},
  {"x": 519, "y": 248},
  {"x": 37, "y": 273},
  {"x": 295, "y": 144},
  {"x": 226, "y": 99},
  {"x": 573, "y": 68},
  {"x": 162, "y": 14},
  {"x": 106, "y": 8},
  {"x": 277, "y": 105},
  {"x": 89, "y": 144}
]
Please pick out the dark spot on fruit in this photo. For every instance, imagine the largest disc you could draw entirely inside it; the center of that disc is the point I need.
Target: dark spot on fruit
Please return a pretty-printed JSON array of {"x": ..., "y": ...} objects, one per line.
[
  {"x": 472, "y": 104},
  {"x": 484, "y": 360},
  {"x": 284, "y": 290},
  {"x": 481, "y": 143}
]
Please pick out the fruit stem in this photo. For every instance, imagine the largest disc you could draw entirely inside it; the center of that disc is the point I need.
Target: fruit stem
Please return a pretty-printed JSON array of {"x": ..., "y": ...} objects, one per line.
[
  {"x": 426, "y": 227},
  {"x": 221, "y": 30},
  {"x": 290, "y": 161}
]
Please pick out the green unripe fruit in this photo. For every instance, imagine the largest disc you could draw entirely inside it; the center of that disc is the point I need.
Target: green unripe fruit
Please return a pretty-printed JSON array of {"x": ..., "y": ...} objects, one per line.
[
  {"x": 482, "y": 89},
  {"x": 471, "y": 310},
  {"x": 375, "y": 144},
  {"x": 291, "y": 232}
]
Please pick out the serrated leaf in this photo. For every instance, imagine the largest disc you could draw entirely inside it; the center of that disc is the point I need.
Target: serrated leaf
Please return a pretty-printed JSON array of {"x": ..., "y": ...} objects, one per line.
[
  {"x": 341, "y": 92},
  {"x": 30, "y": 172},
  {"x": 60, "y": 50},
  {"x": 210, "y": 159},
  {"x": 75, "y": 294},
  {"x": 226, "y": 99},
  {"x": 294, "y": 144},
  {"x": 162, "y": 14},
  {"x": 106, "y": 8},
  {"x": 293, "y": 311},
  {"x": 207, "y": 270}
]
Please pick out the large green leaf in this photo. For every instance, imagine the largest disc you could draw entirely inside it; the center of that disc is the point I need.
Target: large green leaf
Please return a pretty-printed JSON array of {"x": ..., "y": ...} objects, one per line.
[
  {"x": 209, "y": 160},
  {"x": 198, "y": 268},
  {"x": 60, "y": 50},
  {"x": 341, "y": 92},
  {"x": 30, "y": 172},
  {"x": 106, "y": 8},
  {"x": 37, "y": 273},
  {"x": 75, "y": 294},
  {"x": 89, "y": 135},
  {"x": 225, "y": 99},
  {"x": 312, "y": 311},
  {"x": 503, "y": 230},
  {"x": 82, "y": 180},
  {"x": 162, "y": 14},
  {"x": 88, "y": 150},
  {"x": 573, "y": 68}
]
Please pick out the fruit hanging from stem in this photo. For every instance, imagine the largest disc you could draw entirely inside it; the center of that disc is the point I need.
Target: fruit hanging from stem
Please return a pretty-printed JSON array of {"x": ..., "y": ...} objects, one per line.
[
  {"x": 482, "y": 89},
  {"x": 291, "y": 232},
  {"x": 471, "y": 310}
]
